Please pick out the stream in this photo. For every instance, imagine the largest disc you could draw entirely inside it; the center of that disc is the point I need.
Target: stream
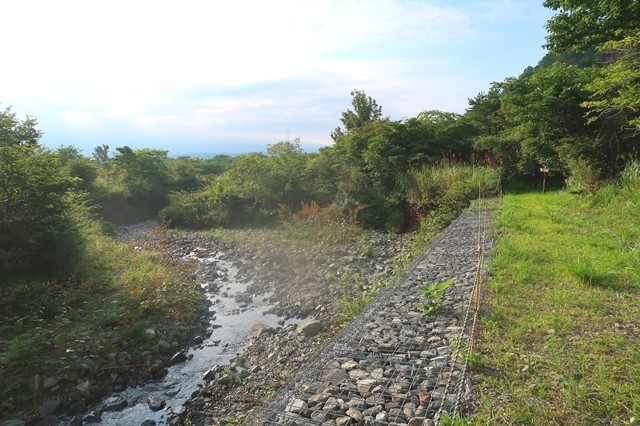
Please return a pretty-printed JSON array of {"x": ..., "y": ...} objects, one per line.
[{"x": 234, "y": 313}]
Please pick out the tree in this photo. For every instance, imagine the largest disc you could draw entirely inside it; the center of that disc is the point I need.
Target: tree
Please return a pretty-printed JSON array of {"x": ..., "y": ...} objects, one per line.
[
  {"x": 617, "y": 90},
  {"x": 365, "y": 110},
  {"x": 101, "y": 153},
  {"x": 582, "y": 25},
  {"x": 37, "y": 234},
  {"x": 613, "y": 28},
  {"x": 67, "y": 153}
]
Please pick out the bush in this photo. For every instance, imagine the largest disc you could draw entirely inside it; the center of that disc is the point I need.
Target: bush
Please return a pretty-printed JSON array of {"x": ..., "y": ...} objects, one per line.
[
  {"x": 37, "y": 234},
  {"x": 447, "y": 189},
  {"x": 630, "y": 176},
  {"x": 583, "y": 177},
  {"x": 193, "y": 210}
]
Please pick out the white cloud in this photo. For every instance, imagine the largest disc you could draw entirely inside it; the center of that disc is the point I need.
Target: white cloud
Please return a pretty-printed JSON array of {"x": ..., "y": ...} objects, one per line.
[{"x": 198, "y": 67}]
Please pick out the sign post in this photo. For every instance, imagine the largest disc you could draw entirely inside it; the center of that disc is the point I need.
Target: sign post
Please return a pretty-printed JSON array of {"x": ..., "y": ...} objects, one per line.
[{"x": 544, "y": 171}]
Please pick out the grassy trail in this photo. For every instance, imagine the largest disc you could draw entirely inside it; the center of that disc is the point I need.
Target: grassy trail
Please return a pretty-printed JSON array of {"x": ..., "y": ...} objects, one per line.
[{"x": 559, "y": 342}]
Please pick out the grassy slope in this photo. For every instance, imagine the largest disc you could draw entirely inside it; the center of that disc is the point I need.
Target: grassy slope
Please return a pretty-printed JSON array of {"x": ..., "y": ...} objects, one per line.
[{"x": 561, "y": 341}]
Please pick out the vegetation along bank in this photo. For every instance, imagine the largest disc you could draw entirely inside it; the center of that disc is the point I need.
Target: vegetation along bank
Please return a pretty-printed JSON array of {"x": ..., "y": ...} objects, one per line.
[{"x": 70, "y": 294}]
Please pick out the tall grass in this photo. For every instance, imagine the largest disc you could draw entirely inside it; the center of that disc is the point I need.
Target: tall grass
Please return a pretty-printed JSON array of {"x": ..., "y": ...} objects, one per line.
[{"x": 447, "y": 189}]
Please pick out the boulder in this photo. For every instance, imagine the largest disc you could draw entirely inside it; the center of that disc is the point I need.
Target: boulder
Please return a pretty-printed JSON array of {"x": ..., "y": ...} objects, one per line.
[
  {"x": 178, "y": 358},
  {"x": 310, "y": 327},
  {"x": 117, "y": 404},
  {"x": 258, "y": 329},
  {"x": 84, "y": 388},
  {"x": 155, "y": 404},
  {"x": 49, "y": 408}
]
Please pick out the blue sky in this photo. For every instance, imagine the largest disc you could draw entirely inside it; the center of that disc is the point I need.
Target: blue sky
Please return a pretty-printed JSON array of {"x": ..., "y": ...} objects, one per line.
[{"x": 207, "y": 77}]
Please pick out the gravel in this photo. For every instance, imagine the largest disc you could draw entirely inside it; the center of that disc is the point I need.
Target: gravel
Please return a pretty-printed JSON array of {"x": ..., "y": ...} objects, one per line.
[{"x": 393, "y": 364}]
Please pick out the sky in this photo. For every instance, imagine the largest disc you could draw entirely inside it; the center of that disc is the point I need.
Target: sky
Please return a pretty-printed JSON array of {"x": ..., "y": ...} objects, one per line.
[{"x": 208, "y": 77}]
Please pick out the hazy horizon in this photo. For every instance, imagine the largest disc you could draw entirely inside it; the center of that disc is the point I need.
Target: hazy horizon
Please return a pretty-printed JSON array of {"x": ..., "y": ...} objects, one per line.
[{"x": 199, "y": 77}]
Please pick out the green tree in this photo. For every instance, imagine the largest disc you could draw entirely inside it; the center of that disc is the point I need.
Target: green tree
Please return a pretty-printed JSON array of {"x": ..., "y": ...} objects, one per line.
[
  {"x": 67, "y": 153},
  {"x": 613, "y": 28},
  {"x": 365, "y": 110},
  {"x": 101, "y": 153},
  {"x": 582, "y": 25},
  {"x": 37, "y": 234}
]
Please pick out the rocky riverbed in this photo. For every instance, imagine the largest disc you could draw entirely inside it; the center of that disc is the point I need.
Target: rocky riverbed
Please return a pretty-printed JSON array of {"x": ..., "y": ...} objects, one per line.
[
  {"x": 397, "y": 363},
  {"x": 301, "y": 284},
  {"x": 304, "y": 284}
]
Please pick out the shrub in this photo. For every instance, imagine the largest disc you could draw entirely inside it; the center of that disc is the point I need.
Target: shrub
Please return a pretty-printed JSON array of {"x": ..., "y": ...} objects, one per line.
[
  {"x": 446, "y": 190},
  {"x": 583, "y": 177}
]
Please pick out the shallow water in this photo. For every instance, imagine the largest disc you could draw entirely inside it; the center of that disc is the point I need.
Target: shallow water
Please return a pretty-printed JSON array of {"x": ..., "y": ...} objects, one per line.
[{"x": 232, "y": 332}]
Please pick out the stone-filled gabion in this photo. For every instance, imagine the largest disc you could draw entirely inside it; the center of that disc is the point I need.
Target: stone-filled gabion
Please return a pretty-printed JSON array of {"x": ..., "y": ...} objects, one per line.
[{"x": 392, "y": 364}]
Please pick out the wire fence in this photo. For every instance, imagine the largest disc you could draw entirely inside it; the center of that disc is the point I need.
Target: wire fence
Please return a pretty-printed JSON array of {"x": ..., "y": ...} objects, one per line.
[{"x": 395, "y": 363}]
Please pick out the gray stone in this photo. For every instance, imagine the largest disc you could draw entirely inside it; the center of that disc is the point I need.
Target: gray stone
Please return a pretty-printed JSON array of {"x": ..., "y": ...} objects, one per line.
[
  {"x": 155, "y": 404},
  {"x": 91, "y": 418},
  {"x": 178, "y": 358},
  {"x": 310, "y": 327},
  {"x": 296, "y": 406},
  {"x": 117, "y": 404},
  {"x": 344, "y": 421},
  {"x": 49, "y": 421},
  {"x": 358, "y": 375},
  {"x": 49, "y": 408},
  {"x": 355, "y": 413},
  {"x": 179, "y": 410},
  {"x": 50, "y": 382},
  {"x": 331, "y": 404},
  {"x": 84, "y": 388},
  {"x": 258, "y": 329},
  {"x": 12, "y": 422},
  {"x": 148, "y": 422},
  {"x": 163, "y": 345}
]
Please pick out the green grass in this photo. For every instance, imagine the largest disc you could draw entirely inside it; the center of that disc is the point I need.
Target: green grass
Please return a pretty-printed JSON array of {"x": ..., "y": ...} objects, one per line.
[
  {"x": 560, "y": 342},
  {"x": 116, "y": 293}
]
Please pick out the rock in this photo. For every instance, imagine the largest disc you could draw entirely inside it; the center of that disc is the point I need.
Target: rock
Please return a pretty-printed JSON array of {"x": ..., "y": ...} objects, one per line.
[
  {"x": 178, "y": 358},
  {"x": 148, "y": 422},
  {"x": 155, "y": 404},
  {"x": 49, "y": 408},
  {"x": 84, "y": 388},
  {"x": 349, "y": 365},
  {"x": 355, "y": 413},
  {"x": 50, "y": 382},
  {"x": 343, "y": 421},
  {"x": 172, "y": 391},
  {"x": 310, "y": 328},
  {"x": 49, "y": 421},
  {"x": 163, "y": 345},
  {"x": 179, "y": 410},
  {"x": 157, "y": 371},
  {"x": 331, "y": 404},
  {"x": 117, "y": 404},
  {"x": 12, "y": 422},
  {"x": 358, "y": 374},
  {"x": 365, "y": 385},
  {"x": 416, "y": 421},
  {"x": 296, "y": 406},
  {"x": 258, "y": 329},
  {"x": 91, "y": 418}
]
